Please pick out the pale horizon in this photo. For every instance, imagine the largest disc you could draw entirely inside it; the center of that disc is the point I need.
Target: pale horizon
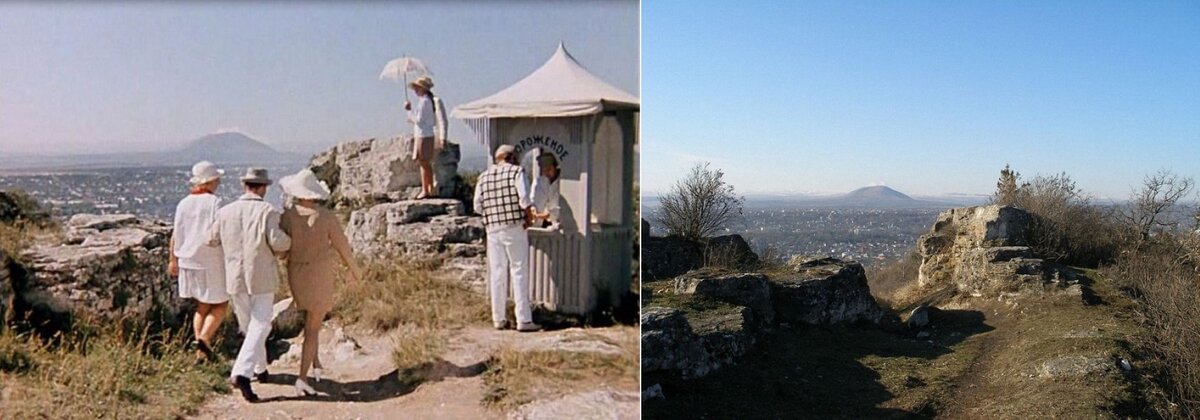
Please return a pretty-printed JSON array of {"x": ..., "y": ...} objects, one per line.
[{"x": 84, "y": 79}]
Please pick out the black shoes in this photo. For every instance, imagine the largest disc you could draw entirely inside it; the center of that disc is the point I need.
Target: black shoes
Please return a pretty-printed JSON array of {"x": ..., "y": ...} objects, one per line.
[
  {"x": 205, "y": 348},
  {"x": 263, "y": 377},
  {"x": 243, "y": 384}
]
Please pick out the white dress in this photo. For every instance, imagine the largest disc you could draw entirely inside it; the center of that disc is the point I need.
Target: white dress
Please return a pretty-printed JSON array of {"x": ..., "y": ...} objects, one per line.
[{"x": 201, "y": 267}]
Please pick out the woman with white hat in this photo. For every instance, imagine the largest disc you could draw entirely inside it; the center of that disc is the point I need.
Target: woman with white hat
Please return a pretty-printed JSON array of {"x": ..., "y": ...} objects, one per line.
[
  {"x": 429, "y": 130},
  {"x": 200, "y": 268},
  {"x": 317, "y": 237}
]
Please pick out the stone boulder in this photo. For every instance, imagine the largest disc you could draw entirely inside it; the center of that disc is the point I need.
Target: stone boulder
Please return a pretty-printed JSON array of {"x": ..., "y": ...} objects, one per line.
[
  {"x": 670, "y": 256},
  {"x": 824, "y": 291},
  {"x": 980, "y": 251},
  {"x": 370, "y": 171},
  {"x": 669, "y": 344},
  {"x": 436, "y": 230},
  {"x": 108, "y": 267},
  {"x": 751, "y": 290},
  {"x": 730, "y": 251}
]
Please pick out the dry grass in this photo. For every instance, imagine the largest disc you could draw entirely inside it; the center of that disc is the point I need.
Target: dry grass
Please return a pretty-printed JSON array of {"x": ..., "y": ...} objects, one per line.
[
  {"x": 894, "y": 283},
  {"x": 1168, "y": 293},
  {"x": 105, "y": 376},
  {"x": 518, "y": 377},
  {"x": 395, "y": 294},
  {"x": 419, "y": 346}
]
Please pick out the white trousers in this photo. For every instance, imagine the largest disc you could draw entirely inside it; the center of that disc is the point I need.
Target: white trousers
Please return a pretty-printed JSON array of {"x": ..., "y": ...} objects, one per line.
[
  {"x": 254, "y": 319},
  {"x": 508, "y": 257}
]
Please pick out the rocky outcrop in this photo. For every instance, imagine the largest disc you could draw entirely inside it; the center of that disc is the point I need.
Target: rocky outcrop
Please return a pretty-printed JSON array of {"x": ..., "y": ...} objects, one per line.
[
  {"x": 377, "y": 181},
  {"x": 750, "y": 290},
  {"x": 382, "y": 170},
  {"x": 670, "y": 345},
  {"x": 824, "y": 291},
  {"x": 727, "y": 313},
  {"x": 107, "y": 268},
  {"x": 435, "y": 231},
  {"x": 731, "y": 251},
  {"x": 670, "y": 256},
  {"x": 981, "y": 251}
]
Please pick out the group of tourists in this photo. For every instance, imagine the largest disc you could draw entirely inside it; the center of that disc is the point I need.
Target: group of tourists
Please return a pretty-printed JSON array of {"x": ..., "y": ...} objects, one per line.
[{"x": 231, "y": 253}]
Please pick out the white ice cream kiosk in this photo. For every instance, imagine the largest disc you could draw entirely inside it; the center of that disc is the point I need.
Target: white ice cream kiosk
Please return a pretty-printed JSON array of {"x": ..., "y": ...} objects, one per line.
[{"x": 591, "y": 127}]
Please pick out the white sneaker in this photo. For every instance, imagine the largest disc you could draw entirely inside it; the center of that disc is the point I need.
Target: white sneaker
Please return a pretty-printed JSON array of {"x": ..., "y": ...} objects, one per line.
[
  {"x": 316, "y": 373},
  {"x": 302, "y": 388}
]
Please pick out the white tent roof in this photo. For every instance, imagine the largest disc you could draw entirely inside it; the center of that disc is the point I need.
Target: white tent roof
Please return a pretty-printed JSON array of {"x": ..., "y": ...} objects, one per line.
[{"x": 560, "y": 88}]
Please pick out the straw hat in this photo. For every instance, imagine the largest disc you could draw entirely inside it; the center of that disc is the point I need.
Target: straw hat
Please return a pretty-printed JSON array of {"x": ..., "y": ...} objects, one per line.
[
  {"x": 205, "y": 171},
  {"x": 423, "y": 81},
  {"x": 304, "y": 185},
  {"x": 256, "y": 176}
]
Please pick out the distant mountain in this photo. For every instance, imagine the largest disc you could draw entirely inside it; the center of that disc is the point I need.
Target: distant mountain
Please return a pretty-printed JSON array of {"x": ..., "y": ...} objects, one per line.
[
  {"x": 228, "y": 148},
  {"x": 231, "y": 148},
  {"x": 878, "y": 193},
  {"x": 880, "y": 197}
]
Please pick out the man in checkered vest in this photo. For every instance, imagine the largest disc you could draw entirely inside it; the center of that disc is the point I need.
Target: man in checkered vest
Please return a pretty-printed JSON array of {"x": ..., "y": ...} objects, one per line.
[{"x": 502, "y": 197}]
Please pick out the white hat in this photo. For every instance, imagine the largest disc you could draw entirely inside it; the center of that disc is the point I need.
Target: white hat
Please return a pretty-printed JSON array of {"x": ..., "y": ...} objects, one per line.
[
  {"x": 205, "y": 171},
  {"x": 504, "y": 149},
  {"x": 305, "y": 185}
]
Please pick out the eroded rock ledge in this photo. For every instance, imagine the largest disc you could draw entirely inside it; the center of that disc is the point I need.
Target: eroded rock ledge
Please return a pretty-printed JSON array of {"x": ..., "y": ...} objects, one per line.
[{"x": 721, "y": 316}]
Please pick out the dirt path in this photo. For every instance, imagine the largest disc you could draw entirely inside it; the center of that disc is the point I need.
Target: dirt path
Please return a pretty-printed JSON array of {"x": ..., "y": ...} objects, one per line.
[
  {"x": 361, "y": 381},
  {"x": 974, "y": 387}
]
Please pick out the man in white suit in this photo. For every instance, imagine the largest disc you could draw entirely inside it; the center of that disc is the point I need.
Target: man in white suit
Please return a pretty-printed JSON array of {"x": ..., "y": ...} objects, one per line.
[{"x": 248, "y": 232}]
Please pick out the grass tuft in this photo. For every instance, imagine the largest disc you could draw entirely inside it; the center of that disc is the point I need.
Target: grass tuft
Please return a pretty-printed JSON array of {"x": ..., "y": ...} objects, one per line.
[
  {"x": 518, "y": 377},
  {"x": 393, "y": 294}
]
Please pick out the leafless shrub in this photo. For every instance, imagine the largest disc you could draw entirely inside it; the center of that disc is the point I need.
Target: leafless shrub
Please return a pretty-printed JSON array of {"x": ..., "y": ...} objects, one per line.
[
  {"x": 1167, "y": 287},
  {"x": 1150, "y": 208},
  {"x": 699, "y": 205},
  {"x": 1068, "y": 227}
]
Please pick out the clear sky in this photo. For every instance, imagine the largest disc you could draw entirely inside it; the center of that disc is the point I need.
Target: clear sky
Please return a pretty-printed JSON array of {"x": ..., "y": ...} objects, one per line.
[
  {"x": 927, "y": 97},
  {"x": 140, "y": 76}
]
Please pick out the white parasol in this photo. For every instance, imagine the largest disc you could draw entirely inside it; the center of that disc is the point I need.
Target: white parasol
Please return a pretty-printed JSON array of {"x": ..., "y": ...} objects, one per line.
[{"x": 400, "y": 68}]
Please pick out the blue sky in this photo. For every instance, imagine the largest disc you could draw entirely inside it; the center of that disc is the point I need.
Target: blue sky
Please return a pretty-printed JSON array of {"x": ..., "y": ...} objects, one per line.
[
  {"x": 927, "y": 97},
  {"x": 79, "y": 78}
]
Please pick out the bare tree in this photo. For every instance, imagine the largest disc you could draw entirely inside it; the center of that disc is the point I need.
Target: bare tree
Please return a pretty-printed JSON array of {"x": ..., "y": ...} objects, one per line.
[
  {"x": 1006, "y": 187},
  {"x": 1150, "y": 207},
  {"x": 699, "y": 205}
]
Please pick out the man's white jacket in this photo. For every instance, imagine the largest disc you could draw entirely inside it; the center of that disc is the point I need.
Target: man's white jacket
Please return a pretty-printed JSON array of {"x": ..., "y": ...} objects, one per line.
[{"x": 248, "y": 232}]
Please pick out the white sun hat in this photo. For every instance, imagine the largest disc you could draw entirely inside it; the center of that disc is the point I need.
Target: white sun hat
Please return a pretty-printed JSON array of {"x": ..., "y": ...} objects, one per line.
[
  {"x": 305, "y": 185},
  {"x": 205, "y": 171}
]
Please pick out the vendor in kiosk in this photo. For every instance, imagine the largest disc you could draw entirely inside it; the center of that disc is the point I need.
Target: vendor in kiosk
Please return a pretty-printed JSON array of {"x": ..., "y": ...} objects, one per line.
[{"x": 545, "y": 191}]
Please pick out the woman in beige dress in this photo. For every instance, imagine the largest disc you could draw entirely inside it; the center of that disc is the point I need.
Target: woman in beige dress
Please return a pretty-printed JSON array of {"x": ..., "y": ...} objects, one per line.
[{"x": 317, "y": 240}]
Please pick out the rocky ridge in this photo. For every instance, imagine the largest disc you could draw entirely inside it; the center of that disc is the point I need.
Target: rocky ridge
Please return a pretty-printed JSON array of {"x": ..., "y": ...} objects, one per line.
[
  {"x": 707, "y": 318},
  {"x": 376, "y": 181}
]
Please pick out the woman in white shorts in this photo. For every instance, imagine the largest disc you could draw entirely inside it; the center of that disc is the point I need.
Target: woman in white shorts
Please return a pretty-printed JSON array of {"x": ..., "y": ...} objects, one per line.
[{"x": 200, "y": 268}]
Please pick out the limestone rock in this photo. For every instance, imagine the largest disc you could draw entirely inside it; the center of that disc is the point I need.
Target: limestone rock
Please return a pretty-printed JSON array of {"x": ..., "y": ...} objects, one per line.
[
  {"x": 1076, "y": 366},
  {"x": 982, "y": 251},
  {"x": 751, "y": 290},
  {"x": 670, "y": 256},
  {"x": 730, "y": 251},
  {"x": 670, "y": 345},
  {"x": 110, "y": 267},
  {"x": 827, "y": 291},
  {"x": 918, "y": 318},
  {"x": 383, "y": 170},
  {"x": 436, "y": 229}
]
